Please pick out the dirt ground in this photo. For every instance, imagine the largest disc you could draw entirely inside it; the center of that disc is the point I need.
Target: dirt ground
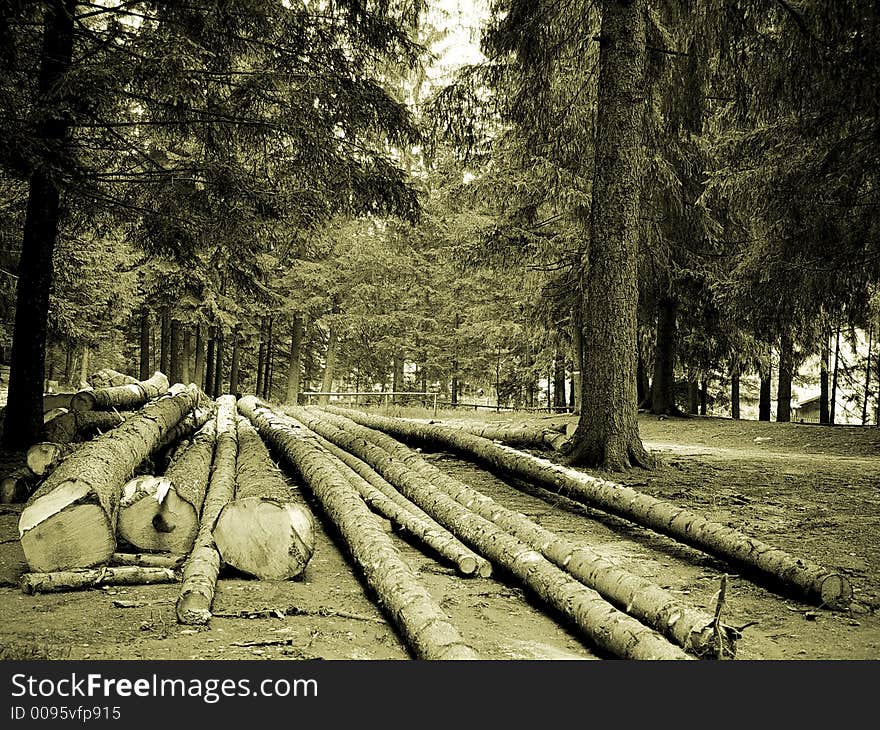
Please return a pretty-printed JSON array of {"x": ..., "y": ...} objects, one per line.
[{"x": 811, "y": 490}]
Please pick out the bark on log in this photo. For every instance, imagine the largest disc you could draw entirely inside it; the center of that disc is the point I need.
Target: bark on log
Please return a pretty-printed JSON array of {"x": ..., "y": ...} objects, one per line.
[
  {"x": 69, "y": 427},
  {"x": 266, "y": 531},
  {"x": 688, "y": 627},
  {"x": 423, "y": 624},
  {"x": 77, "y": 580},
  {"x": 108, "y": 378},
  {"x": 148, "y": 560},
  {"x": 596, "y": 618},
  {"x": 44, "y": 456},
  {"x": 203, "y": 565},
  {"x": 121, "y": 397},
  {"x": 70, "y": 521},
  {"x": 813, "y": 582},
  {"x": 523, "y": 435},
  {"x": 17, "y": 486},
  {"x": 188, "y": 426},
  {"x": 382, "y": 497}
]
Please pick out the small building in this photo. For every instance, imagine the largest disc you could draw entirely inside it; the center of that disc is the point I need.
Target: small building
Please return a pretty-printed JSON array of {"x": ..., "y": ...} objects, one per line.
[{"x": 807, "y": 411}]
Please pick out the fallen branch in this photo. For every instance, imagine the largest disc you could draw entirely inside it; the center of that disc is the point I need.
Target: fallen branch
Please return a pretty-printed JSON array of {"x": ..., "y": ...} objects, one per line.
[
  {"x": 76, "y": 580},
  {"x": 147, "y": 560}
]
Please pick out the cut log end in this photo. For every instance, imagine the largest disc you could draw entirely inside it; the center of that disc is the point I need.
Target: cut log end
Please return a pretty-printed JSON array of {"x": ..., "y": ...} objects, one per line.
[
  {"x": 153, "y": 517},
  {"x": 78, "y": 535},
  {"x": 44, "y": 456},
  {"x": 836, "y": 591},
  {"x": 264, "y": 538},
  {"x": 82, "y": 401}
]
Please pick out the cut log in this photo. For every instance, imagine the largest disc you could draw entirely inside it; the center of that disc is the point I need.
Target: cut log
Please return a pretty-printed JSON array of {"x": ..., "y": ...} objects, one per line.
[
  {"x": 809, "y": 580},
  {"x": 77, "y": 580},
  {"x": 148, "y": 560},
  {"x": 423, "y": 624},
  {"x": 121, "y": 397},
  {"x": 201, "y": 569},
  {"x": 545, "y": 436},
  {"x": 596, "y": 619},
  {"x": 382, "y": 497},
  {"x": 266, "y": 531},
  {"x": 161, "y": 514},
  {"x": 692, "y": 629},
  {"x": 52, "y": 414},
  {"x": 70, "y": 521},
  {"x": 69, "y": 427},
  {"x": 191, "y": 423},
  {"x": 17, "y": 485},
  {"x": 44, "y": 456},
  {"x": 108, "y": 378}
]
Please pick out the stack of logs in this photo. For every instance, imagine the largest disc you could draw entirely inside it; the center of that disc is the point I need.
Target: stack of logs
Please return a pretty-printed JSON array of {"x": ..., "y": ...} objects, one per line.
[{"x": 186, "y": 484}]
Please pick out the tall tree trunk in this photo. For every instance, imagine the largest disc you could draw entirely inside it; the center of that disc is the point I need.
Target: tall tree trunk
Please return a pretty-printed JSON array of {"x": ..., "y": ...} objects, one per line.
[
  {"x": 83, "y": 365},
  {"x": 24, "y": 408},
  {"x": 607, "y": 434},
  {"x": 329, "y": 364},
  {"x": 267, "y": 361},
  {"x": 176, "y": 348},
  {"x": 295, "y": 361},
  {"x": 868, "y": 374},
  {"x": 218, "y": 363},
  {"x": 734, "y": 394},
  {"x": 663, "y": 387},
  {"x": 200, "y": 357},
  {"x": 233, "y": 368},
  {"x": 704, "y": 396},
  {"x": 397, "y": 375},
  {"x": 786, "y": 368},
  {"x": 261, "y": 359},
  {"x": 144, "y": 371},
  {"x": 165, "y": 341},
  {"x": 209, "y": 363},
  {"x": 764, "y": 403},
  {"x": 454, "y": 393},
  {"x": 68, "y": 362},
  {"x": 186, "y": 362},
  {"x": 825, "y": 356},
  {"x": 558, "y": 381},
  {"x": 831, "y": 414},
  {"x": 577, "y": 335},
  {"x": 693, "y": 396}
]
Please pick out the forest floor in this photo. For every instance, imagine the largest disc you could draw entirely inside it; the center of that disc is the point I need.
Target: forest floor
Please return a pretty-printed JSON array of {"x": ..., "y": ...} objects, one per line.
[{"x": 811, "y": 490}]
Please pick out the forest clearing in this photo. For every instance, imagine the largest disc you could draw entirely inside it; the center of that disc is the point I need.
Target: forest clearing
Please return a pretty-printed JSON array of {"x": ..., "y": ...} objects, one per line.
[{"x": 453, "y": 330}]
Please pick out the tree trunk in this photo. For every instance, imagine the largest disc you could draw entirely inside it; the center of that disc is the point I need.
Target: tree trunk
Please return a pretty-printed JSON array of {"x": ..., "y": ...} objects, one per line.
[
  {"x": 107, "y": 378},
  {"x": 218, "y": 364},
  {"x": 234, "y": 367},
  {"x": 764, "y": 403},
  {"x": 73, "y": 426},
  {"x": 868, "y": 374},
  {"x": 734, "y": 395},
  {"x": 70, "y": 521},
  {"x": 810, "y": 580},
  {"x": 833, "y": 408},
  {"x": 558, "y": 381},
  {"x": 420, "y": 620},
  {"x": 783, "y": 390},
  {"x": 210, "y": 363},
  {"x": 148, "y": 560},
  {"x": 294, "y": 362},
  {"x": 161, "y": 514},
  {"x": 42, "y": 218},
  {"x": 200, "y": 572},
  {"x": 396, "y": 376},
  {"x": 165, "y": 340},
  {"x": 578, "y": 341},
  {"x": 704, "y": 397},
  {"x": 270, "y": 349},
  {"x": 78, "y": 580},
  {"x": 120, "y": 397},
  {"x": 329, "y": 365},
  {"x": 186, "y": 376},
  {"x": 144, "y": 370},
  {"x": 175, "y": 366},
  {"x": 44, "y": 456},
  {"x": 261, "y": 360},
  {"x": 200, "y": 358},
  {"x": 597, "y": 619},
  {"x": 83, "y": 366},
  {"x": 825, "y": 356},
  {"x": 68, "y": 361},
  {"x": 693, "y": 396},
  {"x": 607, "y": 434},
  {"x": 663, "y": 387},
  {"x": 264, "y": 531}
]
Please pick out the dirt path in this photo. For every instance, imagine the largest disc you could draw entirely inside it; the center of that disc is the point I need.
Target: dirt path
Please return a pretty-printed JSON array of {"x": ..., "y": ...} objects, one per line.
[{"x": 821, "y": 502}]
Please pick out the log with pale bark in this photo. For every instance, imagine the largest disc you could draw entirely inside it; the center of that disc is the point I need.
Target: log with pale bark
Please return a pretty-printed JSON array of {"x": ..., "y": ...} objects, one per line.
[
  {"x": 161, "y": 513},
  {"x": 597, "y": 619},
  {"x": 551, "y": 436},
  {"x": 201, "y": 569},
  {"x": 148, "y": 560},
  {"x": 70, "y": 521},
  {"x": 811, "y": 581},
  {"x": 77, "y": 580},
  {"x": 121, "y": 397},
  {"x": 18, "y": 485},
  {"x": 382, "y": 497},
  {"x": 109, "y": 378},
  {"x": 44, "y": 456},
  {"x": 267, "y": 530},
  {"x": 192, "y": 422},
  {"x": 425, "y": 627}
]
